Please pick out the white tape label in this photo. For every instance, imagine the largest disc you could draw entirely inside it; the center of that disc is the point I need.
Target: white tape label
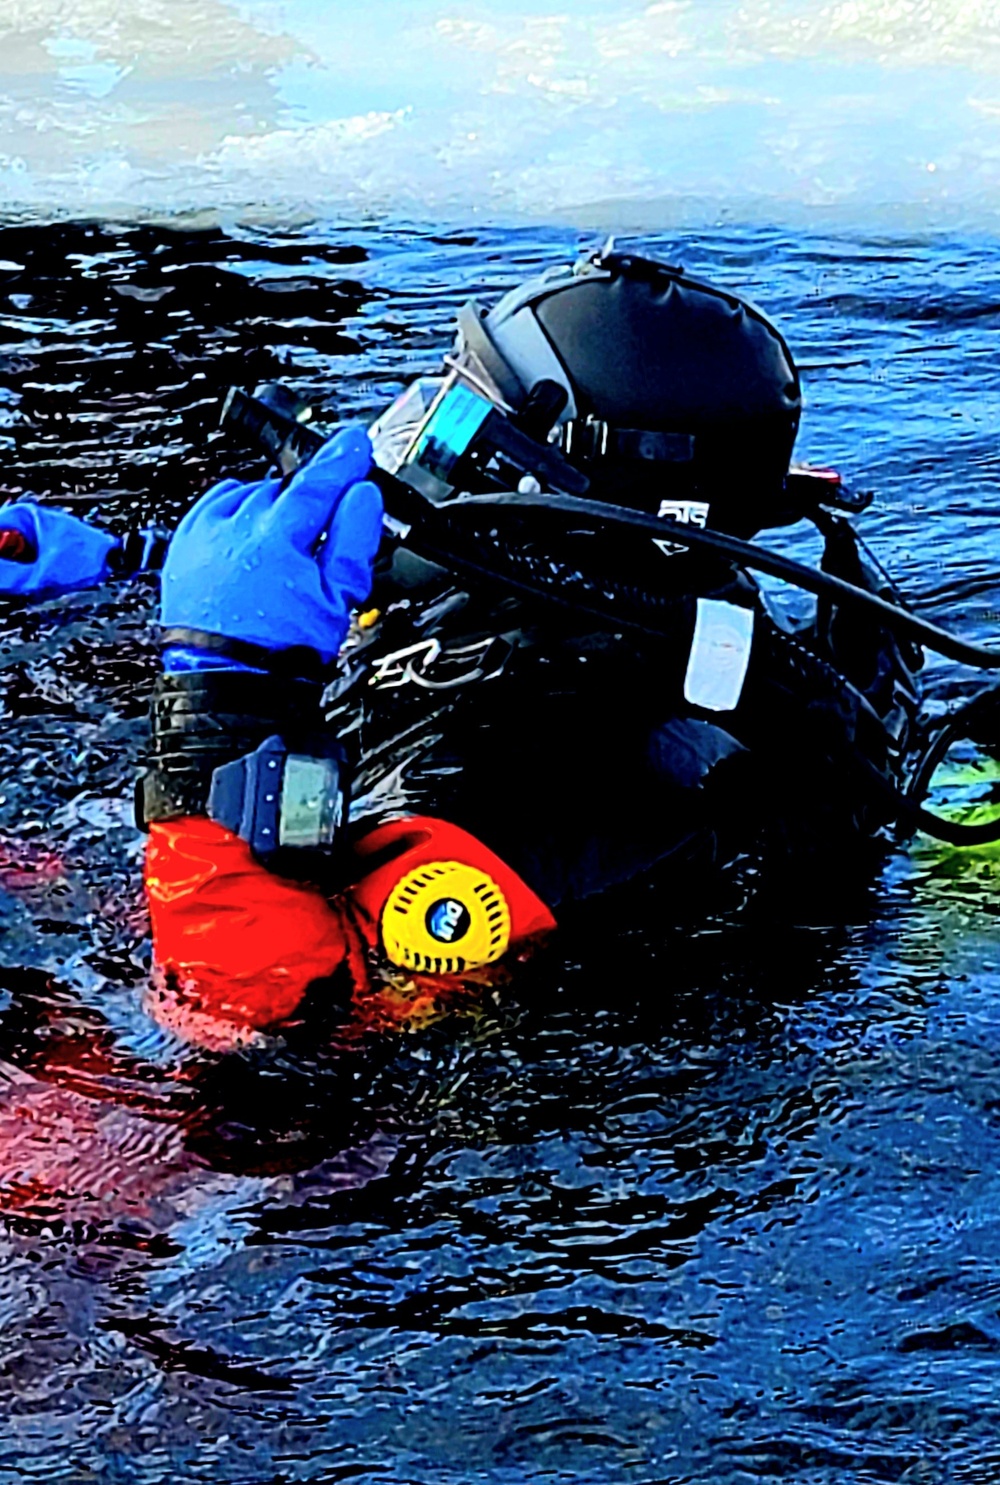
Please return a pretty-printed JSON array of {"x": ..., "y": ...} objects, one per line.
[{"x": 720, "y": 655}]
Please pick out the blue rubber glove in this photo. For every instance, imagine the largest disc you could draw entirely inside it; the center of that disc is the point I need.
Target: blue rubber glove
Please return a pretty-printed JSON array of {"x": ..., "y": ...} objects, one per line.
[
  {"x": 69, "y": 552},
  {"x": 249, "y": 562}
]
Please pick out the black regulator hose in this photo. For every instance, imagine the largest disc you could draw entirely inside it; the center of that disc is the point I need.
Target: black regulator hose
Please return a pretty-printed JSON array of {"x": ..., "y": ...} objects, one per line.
[
  {"x": 758, "y": 559},
  {"x": 977, "y": 720},
  {"x": 272, "y": 422},
  {"x": 430, "y": 530}
]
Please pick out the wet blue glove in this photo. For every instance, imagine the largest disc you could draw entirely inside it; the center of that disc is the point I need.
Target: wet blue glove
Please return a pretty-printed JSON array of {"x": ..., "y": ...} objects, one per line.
[
  {"x": 69, "y": 553},
  {"x": 249, "y": 562}
]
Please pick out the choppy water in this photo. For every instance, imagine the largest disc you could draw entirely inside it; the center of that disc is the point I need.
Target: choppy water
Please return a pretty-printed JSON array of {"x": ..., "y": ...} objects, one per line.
[{"x": 716, "y": 1204}]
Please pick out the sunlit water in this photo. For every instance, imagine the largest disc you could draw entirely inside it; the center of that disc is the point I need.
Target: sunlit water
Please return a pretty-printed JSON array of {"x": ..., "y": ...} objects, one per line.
[{"x": 715, "y": 1203}]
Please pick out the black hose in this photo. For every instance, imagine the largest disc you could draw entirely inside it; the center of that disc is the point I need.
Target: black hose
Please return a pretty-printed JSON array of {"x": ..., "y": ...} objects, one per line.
[
  {"x": 758, "y": 559},
  {"x": 953, "y": 832},
  {"x": 271, "y": 422},
  {"x": 431, "y": 530},
  {"x": 966, "y": 722},
  {"x": 906, "y": 805}
]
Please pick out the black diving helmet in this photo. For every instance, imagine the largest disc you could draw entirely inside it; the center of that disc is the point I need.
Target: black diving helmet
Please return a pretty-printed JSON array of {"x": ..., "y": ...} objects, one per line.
[{"x": 643, "y": 386}]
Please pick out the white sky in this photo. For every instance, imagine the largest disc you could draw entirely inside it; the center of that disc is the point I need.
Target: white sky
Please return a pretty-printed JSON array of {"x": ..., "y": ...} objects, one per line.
[{"x": 605, "y": 112}]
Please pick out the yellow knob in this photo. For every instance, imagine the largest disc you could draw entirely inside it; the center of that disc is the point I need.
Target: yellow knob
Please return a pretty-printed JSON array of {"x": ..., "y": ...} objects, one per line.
[{"x": 445, "y": 918}]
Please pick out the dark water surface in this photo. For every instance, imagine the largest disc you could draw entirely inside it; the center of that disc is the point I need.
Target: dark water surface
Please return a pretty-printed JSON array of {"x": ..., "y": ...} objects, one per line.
[{"x": 708, "y": 1203}]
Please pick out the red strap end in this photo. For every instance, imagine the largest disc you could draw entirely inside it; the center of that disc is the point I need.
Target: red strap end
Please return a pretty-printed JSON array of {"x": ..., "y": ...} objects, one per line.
[{"x": 15, "y": 546}]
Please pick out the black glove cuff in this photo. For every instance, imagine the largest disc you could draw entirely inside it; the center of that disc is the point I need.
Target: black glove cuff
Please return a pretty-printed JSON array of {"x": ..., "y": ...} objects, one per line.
[
  {"x": 202, "y": 719},
  {"x": 297, "y": 661},
  {"x": 139, "y": 551}
]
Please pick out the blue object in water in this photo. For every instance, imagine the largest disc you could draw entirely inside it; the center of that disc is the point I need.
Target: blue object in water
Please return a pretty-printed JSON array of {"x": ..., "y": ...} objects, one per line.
[{"x": 67, "y": 552}]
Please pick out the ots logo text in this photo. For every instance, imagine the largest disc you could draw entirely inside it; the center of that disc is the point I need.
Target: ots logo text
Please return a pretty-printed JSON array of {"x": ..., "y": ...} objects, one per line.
[{"x": 687, "y": 513}]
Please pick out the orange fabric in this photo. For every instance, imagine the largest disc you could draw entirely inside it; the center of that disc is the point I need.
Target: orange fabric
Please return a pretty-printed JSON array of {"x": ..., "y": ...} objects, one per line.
[
  {"x": 243, "y": 944},
  {"x": 236, "y": 947},
  {"x": 394, "y": 849}
]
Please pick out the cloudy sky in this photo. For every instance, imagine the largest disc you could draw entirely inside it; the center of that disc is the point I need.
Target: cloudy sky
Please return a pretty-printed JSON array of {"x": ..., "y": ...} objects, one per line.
[{"x": 605, "y": 112}]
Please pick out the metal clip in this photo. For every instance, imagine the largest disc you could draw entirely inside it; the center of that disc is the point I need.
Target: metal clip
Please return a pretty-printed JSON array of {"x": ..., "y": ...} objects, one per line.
[{"x": 585, "y": 438}]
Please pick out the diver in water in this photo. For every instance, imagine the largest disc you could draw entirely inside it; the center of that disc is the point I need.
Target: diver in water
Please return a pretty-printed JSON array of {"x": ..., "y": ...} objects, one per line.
[{"x": 363, "y": 748}]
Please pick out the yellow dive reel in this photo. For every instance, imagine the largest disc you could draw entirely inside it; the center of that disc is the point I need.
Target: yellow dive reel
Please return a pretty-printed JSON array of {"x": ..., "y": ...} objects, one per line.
[{"x": 444, "y": 918}]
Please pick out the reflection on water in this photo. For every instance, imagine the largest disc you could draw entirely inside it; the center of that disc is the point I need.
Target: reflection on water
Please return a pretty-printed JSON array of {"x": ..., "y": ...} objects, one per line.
[{"x": 710, "y": 1200}]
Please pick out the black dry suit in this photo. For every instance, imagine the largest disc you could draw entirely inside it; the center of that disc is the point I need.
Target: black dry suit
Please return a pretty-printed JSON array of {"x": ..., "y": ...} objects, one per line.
[
  {"x": 566, "y": 744},
  {"x": 529, "y": 675},
  {"x": 533, "y": 662}
]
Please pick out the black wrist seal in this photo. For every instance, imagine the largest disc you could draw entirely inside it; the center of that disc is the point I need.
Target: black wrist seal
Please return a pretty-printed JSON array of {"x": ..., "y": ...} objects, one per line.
[{"x": 201, "y": 720}]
